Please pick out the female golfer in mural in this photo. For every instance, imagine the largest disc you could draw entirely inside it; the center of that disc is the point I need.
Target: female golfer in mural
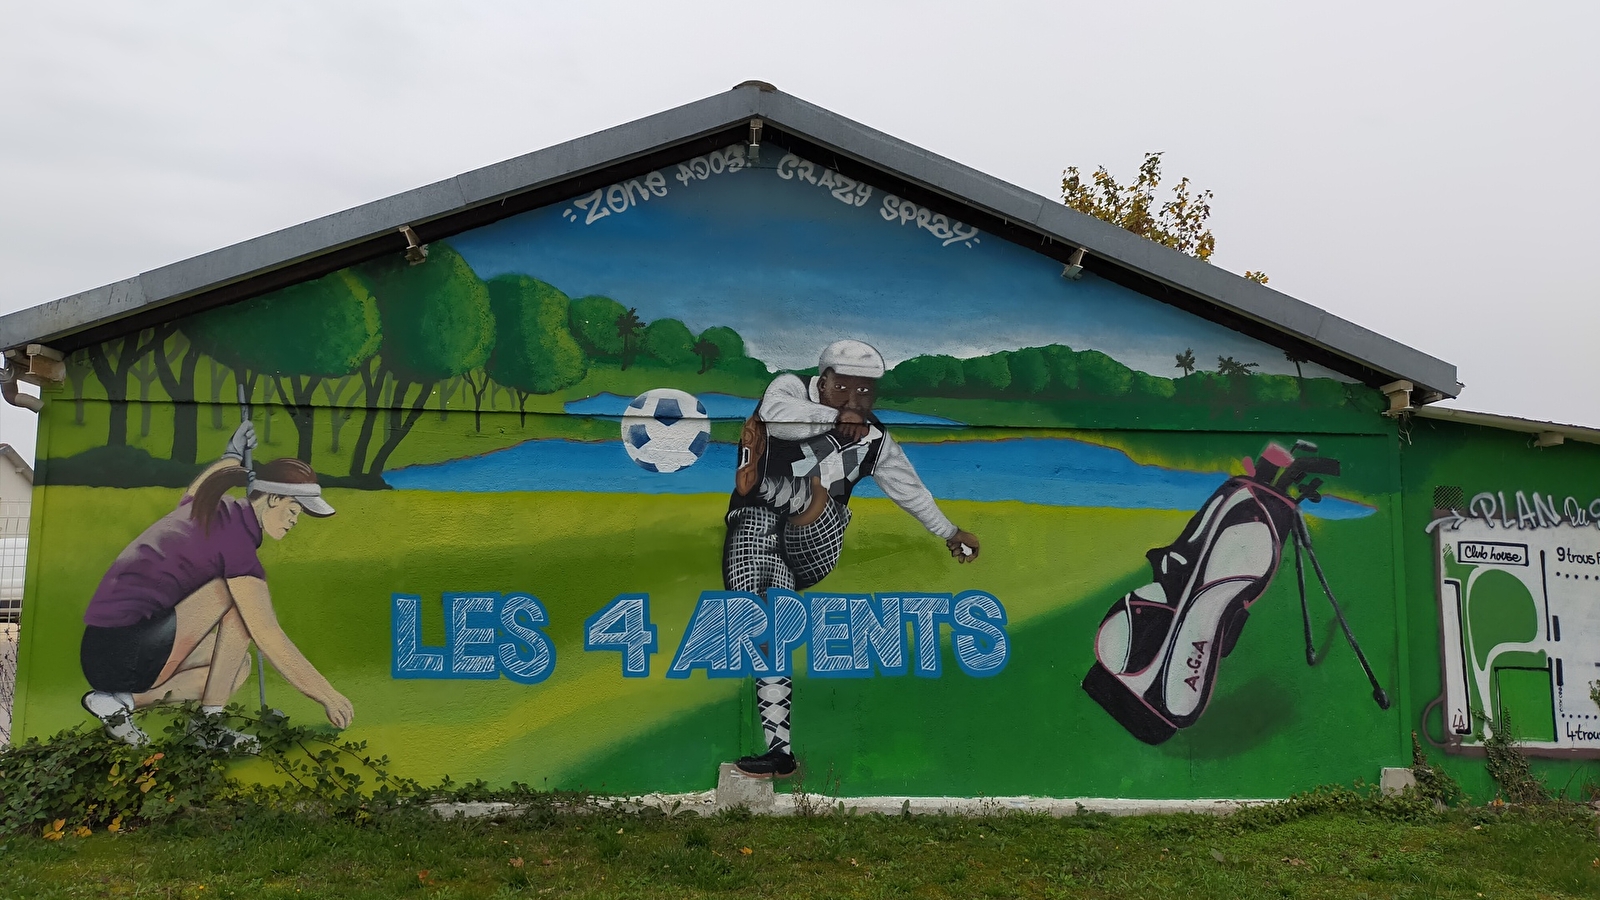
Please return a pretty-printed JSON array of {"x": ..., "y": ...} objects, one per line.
[
  {"x": 174, "y": 617},
  {"x": 800, "y": 457}
]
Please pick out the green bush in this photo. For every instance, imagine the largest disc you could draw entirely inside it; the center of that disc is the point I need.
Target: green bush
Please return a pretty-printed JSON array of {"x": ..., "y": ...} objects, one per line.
[{"x": 80, "y": 780}]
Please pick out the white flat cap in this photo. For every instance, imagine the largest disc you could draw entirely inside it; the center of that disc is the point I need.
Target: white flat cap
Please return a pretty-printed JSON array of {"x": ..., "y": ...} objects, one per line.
[{"x": 852, "y": 358}]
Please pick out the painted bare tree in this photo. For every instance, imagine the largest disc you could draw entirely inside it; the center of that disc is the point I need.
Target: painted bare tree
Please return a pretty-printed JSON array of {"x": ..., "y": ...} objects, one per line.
[
  {"x": 338, "y": 412},
  {"x": 219, "y": 380},
  {"x": 478, "y": 380},
  {"x": 112, "y": 362},
  {"x": 175, "y": 358},
  {"x": 447, "y": 392},
  {"x": 265, "y": 338},
  {"x": 77, "y": 376},
  {"x": 144, "y": 372}
]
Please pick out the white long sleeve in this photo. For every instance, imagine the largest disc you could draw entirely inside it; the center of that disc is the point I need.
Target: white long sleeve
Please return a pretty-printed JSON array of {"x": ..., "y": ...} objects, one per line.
[
  {"x": 894, "y": 474},
  {"x": 790, "y": 412}
]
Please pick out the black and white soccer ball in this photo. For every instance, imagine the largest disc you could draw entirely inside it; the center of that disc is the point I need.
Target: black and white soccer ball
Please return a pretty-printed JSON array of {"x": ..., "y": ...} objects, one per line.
[{"x": 665, "y": 430}]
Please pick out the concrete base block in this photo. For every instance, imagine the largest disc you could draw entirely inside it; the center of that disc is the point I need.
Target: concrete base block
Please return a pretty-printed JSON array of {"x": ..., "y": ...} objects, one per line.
[
  {"x": 734, "y": 788},
  {"x": 1394, "y": 781}
]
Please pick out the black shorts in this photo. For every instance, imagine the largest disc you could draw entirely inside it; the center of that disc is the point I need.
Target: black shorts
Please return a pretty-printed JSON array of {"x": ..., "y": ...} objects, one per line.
[{"x": 129, "y": 658}]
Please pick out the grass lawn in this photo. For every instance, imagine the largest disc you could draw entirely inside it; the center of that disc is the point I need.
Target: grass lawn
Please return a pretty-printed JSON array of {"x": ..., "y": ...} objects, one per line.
[{"x": 261, "y": 855}]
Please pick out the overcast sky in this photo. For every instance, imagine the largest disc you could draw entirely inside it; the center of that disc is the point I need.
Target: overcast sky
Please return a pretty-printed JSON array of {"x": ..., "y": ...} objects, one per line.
[{"x": 1426, "y": 170}]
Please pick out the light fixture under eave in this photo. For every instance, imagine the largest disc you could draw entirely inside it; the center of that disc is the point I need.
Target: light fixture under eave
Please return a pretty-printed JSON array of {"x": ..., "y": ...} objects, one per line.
[
  {"x": 1073, "y": 270},
  {"x": 755, "y": 141},
  {"x": 416, "y": 250}
]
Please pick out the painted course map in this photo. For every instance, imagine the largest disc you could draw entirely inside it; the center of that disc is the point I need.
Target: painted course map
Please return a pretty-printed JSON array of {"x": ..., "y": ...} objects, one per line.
[{"x": 1520, "y": 620}]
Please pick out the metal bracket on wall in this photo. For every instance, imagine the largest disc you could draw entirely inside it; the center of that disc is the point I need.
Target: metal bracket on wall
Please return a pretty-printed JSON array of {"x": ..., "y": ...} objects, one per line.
[
  {"x": 416, "y": 250},
  {"x": 1399, "y": 394},
  {"x": 1073, "y": 270}
]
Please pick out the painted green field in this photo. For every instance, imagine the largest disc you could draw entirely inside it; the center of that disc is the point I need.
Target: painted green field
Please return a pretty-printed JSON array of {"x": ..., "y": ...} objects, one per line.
[{"x": 1273, "y": 720}]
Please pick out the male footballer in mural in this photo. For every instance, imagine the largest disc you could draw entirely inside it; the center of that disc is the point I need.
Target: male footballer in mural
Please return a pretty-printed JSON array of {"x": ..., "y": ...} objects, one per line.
[
  {"x": 800, "y": 457},
  {"x": 174, "y": 617}
]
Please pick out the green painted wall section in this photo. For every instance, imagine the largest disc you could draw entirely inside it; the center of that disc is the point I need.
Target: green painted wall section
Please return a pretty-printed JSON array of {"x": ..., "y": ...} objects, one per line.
[{"x": 1465, "y": 460}]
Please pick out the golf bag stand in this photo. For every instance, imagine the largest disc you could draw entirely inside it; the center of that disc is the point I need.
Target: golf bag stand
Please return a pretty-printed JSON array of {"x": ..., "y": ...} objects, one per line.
[{"x": 1158, "y": 648}]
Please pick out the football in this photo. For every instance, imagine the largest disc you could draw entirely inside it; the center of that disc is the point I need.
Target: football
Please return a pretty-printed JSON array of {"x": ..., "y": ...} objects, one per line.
[{"x": 665, "y": 430}]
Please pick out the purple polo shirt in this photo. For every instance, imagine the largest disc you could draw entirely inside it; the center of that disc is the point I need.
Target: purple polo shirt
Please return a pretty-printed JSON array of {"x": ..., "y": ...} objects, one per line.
[{"x": 173, "y": 559}]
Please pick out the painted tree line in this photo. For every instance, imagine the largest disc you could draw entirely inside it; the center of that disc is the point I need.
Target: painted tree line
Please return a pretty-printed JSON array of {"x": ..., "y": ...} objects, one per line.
[
  {"x": 1060, "y": 373},
  {"x": 382, "y": 339}
]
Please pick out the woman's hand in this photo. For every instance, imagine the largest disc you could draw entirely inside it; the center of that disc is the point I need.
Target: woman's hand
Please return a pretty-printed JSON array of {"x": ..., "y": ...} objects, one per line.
[
  {"x": 338, "y": 708},
  {"x": 242, "y": 442}
]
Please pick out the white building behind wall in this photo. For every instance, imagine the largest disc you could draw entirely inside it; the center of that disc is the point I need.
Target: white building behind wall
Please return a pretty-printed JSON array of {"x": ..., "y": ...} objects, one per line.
[{"x": 16, "y": 502}]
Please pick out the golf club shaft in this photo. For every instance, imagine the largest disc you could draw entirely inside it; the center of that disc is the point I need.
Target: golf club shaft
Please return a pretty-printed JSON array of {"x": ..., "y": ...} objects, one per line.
[{"x": 249, "y": 468}]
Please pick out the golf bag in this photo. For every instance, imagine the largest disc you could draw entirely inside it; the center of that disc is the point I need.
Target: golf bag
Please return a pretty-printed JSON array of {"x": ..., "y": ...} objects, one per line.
[{"x": 1158, "y": 648}]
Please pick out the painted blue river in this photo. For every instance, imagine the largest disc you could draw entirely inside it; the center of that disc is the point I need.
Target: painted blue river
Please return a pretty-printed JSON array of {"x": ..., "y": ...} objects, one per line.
[
  {"x": 727, "y": 406},
  {"x": 1049, "y": 471}
]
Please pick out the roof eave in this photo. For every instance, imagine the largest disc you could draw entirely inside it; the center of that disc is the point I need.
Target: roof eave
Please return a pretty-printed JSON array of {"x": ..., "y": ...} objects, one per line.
[{"x": 572, "y": 159}]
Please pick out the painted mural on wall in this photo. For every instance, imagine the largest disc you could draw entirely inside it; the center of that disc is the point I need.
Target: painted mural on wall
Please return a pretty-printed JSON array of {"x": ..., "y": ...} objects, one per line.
[
  {"x": 1160, "y": 647},
  {"x": 727, "y": 461},
  {"x": 1519, "y": 608}
]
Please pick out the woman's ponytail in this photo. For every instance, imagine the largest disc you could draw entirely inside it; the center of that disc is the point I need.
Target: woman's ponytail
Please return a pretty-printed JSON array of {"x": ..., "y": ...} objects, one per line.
[{"x": 208, "y": 496}]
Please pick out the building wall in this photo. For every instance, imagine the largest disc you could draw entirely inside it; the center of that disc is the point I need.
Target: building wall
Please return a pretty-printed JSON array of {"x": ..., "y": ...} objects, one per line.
[
  {"x": 1503, "y": 598},
  {"x": 524, "y": 578}
]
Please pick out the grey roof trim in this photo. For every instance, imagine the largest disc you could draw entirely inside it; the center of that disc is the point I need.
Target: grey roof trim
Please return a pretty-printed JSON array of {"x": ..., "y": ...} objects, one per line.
[
  {"x": 1278, "y": 312},
  {"x": 1508, "y": 423}
]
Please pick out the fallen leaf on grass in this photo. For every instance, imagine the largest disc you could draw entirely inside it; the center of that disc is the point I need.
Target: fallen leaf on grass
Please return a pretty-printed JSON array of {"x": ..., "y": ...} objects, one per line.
[
  {"x": 516, "y": 862},
  {"x": 746, "y": 851},
  {"x": 853, "y": 861},
  {"x": 1217, "y": 855},
  {"x": 548, "y": 862}
]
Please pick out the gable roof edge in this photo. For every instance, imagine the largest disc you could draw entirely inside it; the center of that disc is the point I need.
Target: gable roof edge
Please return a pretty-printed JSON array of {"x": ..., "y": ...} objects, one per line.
[
  {"x": 1057, "y": 221},
  {"x": 569, "y": 160}
]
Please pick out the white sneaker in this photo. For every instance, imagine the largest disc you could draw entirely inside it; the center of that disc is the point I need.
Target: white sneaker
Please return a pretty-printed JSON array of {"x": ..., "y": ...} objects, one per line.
[
  {"x": 115, "y": 712},
  {"x": 210, "y": 733}
]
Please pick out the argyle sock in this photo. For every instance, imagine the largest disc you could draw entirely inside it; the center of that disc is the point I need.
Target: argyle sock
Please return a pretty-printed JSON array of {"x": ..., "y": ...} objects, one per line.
[{"x": 772, "y": 702}]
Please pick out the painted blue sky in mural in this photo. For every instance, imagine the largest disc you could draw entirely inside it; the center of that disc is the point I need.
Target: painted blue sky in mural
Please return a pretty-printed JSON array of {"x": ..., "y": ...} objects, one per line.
[{"x": 793, "y": 265}]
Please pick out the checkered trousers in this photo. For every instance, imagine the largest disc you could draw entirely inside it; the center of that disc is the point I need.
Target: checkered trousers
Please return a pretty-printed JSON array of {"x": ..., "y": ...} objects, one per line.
[{"x": 763, "y": 550}]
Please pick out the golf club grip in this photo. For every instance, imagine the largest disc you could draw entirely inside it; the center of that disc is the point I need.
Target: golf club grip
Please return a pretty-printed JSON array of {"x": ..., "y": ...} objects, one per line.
[{"x": 244, "y": 416}]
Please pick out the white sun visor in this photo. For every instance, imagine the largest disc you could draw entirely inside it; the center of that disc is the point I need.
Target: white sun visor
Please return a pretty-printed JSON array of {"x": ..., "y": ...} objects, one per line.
[{"x": 309, "y": 496}]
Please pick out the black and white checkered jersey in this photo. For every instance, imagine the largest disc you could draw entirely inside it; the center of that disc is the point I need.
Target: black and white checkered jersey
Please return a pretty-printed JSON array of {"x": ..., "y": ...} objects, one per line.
[{"x": 801, "y": 442}]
